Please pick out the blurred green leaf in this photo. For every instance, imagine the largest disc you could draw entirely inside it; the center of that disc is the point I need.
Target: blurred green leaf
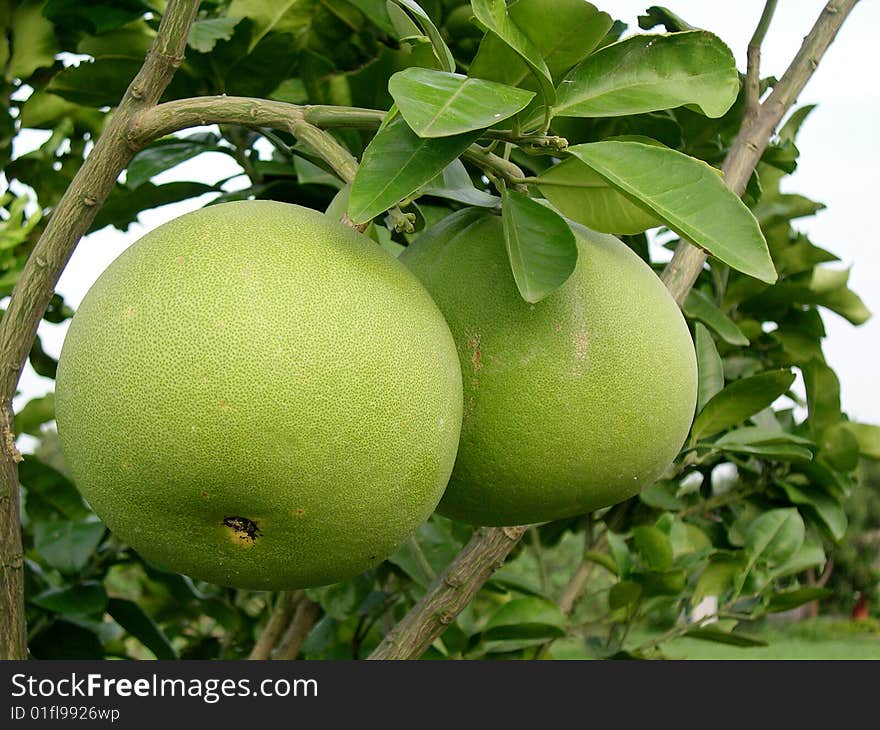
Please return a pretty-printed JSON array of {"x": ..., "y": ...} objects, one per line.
[
  {"x": 787, "y": 600},
  {"x": 525, "y": 618},
  {"x": 66, "y": 640},
  {"x": 86, "y": 598},
  {"x": 67, "y": 545},
  {"x": 708, "y": 633},
  {"x": 35, "y": 413},
  {"x": 828, "y": 511},
  {"x": 653, "y": 546},
  {"x": 709, "y": 368},
  {"x": 718, "y": 576},
  {"x": 775, "y": 536},
  {"x": 136, "y": 622},
  {"x": 50, "y": 494},
  {"x": 623, "y": 593},
  {"x": 165, "y": 154}
]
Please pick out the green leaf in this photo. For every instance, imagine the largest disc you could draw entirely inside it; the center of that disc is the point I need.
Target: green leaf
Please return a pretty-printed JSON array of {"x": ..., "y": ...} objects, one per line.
[
  {"x": 97, "y": 83},
  {"x": 542, "y": 249},
  {"x": 564, "y": 32},
  {"x": 708, "y": 633},
  {"x": 709, "y": 368},
  {"x": 775, "y": 536},
  {"x": 50, "y": 494},
  {"x": 37, "y": 412},
  {"x": 67, "y": 545},
  {"x": 33, "y": 39},
  {"x": 739, "y": 400},
  {"x": 136, "y": 622},
  {"x": 769, "y": 452},
  {"x": 165, "y": 154},
  {"x": 525, "y": 618},
  {"x": 123, "y": 206},
  {"x": 688, "y": 196},
  {"x": 308, "y": 173},
  {"x": 587, "y": 198},
  {"x": 823, "y": 396},
  {"x": 205, "y": 33},
  {"x": 603, "y": 559},
  {"x": 396, "y": 163},
  {"x": 658, "y": 15},
  {"x": 454, "y": 183},
  {"x": 441, "y": 50},
  {"x": 787, "y": 600},
  {"x": 839, "y": 447},
  {"x": 78, "y": 600},
  {"x": 661, "y": 583},
  {"x": 661, "y": 495},
  {"x": 624, "y": 593},
  {"x": 718, "y": 577},
  {"x": 66, "y": 640},
  {"x": 828, "y": 511},
  {"x": 810, "y": 555},
  {"x": 653, "y": 546},
  {"x": 868, "y": 438},
  {"x": 493, "y": 15},
  {"x": 620, "y": 552},
  {"x": 646, "y": 73},
  {"x": 441, "y": 104},
  {"x": 700, "y": 307},
  {"x": 761, "y": 435}
]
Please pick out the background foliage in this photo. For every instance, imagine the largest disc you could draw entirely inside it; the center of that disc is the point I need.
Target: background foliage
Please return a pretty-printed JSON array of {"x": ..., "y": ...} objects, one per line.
[{"x": 769, "y": 487}]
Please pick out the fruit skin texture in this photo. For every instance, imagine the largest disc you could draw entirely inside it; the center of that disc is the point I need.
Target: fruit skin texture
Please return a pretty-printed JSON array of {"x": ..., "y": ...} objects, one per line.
[
  {"x": 257, "y": 396},
  {"x": 570, "y": 404}
]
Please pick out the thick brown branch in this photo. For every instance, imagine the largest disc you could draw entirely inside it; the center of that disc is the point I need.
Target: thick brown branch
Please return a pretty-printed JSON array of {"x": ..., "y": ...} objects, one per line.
[
  {"x": 687, "y": 262},
  {"x": 454, "y": 589},
  {"x": 70, "y": 220}
]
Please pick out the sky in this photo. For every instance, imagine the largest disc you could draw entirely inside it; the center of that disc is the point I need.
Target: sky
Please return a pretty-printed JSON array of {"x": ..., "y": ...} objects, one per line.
[{"x": 839, "y": 149}]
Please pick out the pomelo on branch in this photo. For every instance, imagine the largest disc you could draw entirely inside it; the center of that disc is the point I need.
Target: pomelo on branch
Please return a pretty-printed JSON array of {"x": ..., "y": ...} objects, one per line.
[
  {"x": 257, "y": 396},
  {"x": 570, "y": 404}
]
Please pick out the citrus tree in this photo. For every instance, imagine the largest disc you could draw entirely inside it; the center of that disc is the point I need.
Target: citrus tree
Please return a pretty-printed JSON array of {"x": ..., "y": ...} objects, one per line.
[{"x": 544, "y": 122}]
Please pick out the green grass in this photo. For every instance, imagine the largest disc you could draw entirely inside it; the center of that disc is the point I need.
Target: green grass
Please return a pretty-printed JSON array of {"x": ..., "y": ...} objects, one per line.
[{"x": 817, "y": 639}]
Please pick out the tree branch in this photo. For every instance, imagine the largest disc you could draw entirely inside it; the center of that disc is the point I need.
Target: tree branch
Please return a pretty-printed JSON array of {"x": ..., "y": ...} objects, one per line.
[
  {"x": 307, "y": 612},
  {"x": 753, "y": 60},
  {"x": 70, "y": 220},
  {"x": 279, "y": 618},
  {"x": 753, "y": 138},
  {"x": 454, "y": 589}
]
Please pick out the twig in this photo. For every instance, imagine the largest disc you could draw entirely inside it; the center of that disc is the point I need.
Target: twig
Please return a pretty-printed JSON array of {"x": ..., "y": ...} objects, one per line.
[
  {"x": 687, "y": 262},
  {"x": 71, "y": 219},
  {"x": 307, "y": 612},
  {"x": 449, "y": 594},
  {"x": 753, "y": 62},
  {"x": 535, "y": 538},
  {"x": 285, "y": 605}
]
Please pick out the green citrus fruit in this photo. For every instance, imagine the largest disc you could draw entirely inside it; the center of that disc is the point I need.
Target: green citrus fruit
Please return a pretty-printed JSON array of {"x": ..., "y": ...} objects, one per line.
[
  {"x": 570, "y": 404},
  {"x": 257, "y": 396}
]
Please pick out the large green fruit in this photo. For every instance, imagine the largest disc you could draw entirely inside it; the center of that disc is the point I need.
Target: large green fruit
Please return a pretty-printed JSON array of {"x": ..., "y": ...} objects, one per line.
[
  {"x": 570, "y": 404},
  {"x": 258, "y": 396}
]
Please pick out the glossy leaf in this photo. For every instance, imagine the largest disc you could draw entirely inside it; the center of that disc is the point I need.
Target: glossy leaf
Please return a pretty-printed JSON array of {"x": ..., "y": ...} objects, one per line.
[
  {"x": 396, "y": 163},
  {"x": 542, "y": 248},
  {"x": 441, "y": 50},
  {"x": 624, "y": 593},
  {"x": 77, "y": 600},
  {"x": 441, "y": 104},
  {"x": 739, "y": 400},
  {"x": 494, "y": 16},
  {"x": 603, "y": 559},
  {"x": 823, "y": 395},
  {"x": 206, "y": 32},
  {"x": 563, "y": 31},
  {"x": 136, "y": 622},
  {"x": 35, "y": 413},
  {"x": 587, "y": 198},
  {"x": 49, "y": 494},
  {"x": 646, "y": 73},
  {"x": 165, "y": 154},
  {"x": 709, "y": 368},
  {"x": 868, "y": 438},
  {"x": 718, "y": 577},
  {"x": 700, "y": 307},
  {"x": 688, "y": 196}
]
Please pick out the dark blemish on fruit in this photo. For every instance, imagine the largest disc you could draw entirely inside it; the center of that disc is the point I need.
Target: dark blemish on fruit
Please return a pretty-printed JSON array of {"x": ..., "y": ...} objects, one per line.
[
  {"x": 299, "y": 511},
  {"x": 243, "y": 528},
  {"x": 372, "y": 557},
  {"x": 204, "y": 495}
]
